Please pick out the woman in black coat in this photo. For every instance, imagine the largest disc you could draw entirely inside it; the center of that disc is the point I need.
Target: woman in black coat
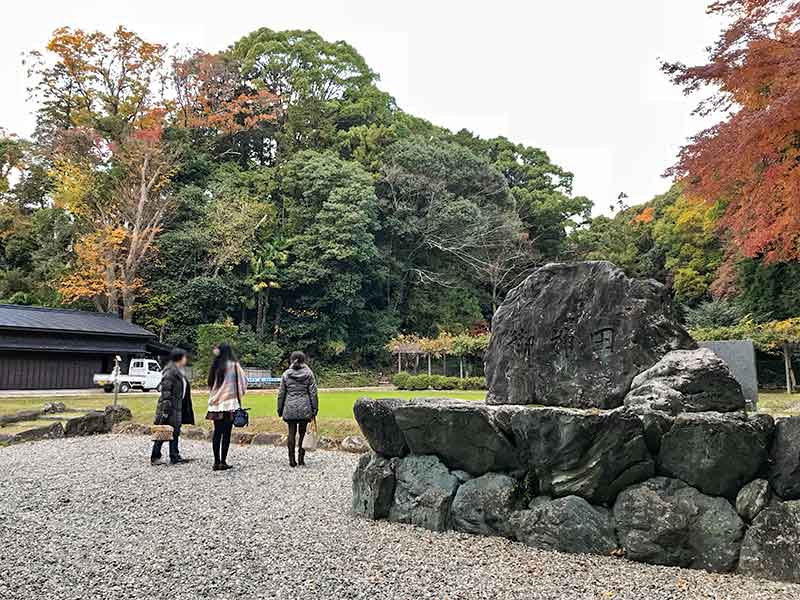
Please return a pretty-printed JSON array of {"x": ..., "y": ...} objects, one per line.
[{"x": 174, "y": 405}]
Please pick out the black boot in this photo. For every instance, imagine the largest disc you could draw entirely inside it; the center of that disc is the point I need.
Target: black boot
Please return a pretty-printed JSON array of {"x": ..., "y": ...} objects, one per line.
[
  {"x": 292, "y": 462},
  {"x": 301, "y": 457}
]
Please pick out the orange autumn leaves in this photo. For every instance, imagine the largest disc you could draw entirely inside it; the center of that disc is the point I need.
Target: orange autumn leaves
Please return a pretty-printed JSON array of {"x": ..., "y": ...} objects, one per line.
[{"x": 749, "y": 160}]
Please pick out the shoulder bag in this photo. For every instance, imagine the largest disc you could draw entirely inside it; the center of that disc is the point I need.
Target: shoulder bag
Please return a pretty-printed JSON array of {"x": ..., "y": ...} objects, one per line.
[{"x": 240, "y": 416}]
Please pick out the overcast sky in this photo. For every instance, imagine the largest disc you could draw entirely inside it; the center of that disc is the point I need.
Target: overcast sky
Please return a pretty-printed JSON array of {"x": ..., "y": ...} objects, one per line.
[{"x": 578, "y": 78}]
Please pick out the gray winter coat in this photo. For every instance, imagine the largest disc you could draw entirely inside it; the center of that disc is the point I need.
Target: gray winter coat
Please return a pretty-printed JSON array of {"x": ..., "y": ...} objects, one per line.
[{"x": 297, "y": 396}]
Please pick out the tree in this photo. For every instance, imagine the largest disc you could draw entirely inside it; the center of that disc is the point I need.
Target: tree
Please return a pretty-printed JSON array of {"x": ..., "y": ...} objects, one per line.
[{"x": 749, "y": 160}]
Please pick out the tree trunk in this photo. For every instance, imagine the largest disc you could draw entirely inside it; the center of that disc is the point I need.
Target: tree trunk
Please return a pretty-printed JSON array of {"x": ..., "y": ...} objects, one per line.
[
  {"x": 429, "y": 365},
  {"x": 461, "y": 367},
  {"x": 128, "y": 305},
  {"x": 276, "y": 324},
  {"x": 444, "y": 365},
  {"x": 787, "y": 364},
  {"x": 399, "y": 362},
  {"x": 261, "y": 311}
]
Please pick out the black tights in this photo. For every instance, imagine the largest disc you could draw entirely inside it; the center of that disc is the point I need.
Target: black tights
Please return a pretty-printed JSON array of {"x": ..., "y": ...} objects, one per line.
[
  {"x": 296, "y": 427},
  {"x": 221, "y": 440}
]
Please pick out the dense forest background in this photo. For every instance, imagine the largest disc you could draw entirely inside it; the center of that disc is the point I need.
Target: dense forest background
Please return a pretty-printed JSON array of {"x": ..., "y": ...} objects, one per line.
[{"x": 273, "y": 187}]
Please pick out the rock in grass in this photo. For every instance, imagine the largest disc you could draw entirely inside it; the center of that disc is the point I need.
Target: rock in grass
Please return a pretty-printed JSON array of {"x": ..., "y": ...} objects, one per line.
[
  {"x": 590, "y": 454},
  {"x": 423, "y": 493},
  {"x": 373, "y": 486},
  {"x": 716, "y": 453},
  {"x": 666, "y": 522},
  {"x": 753, "y": 498},
  {"x": 376, "y": 419},
  {"x": 771, "y": 547},
  {"x": 462, "y": 434},
  {"x": 577, "y": 334},
  {"x": 484, "y": 504},
  {"x": 784, "y": 474},
  {"x": 568, "y": 524},
  {"x": 354, "y": 444}
]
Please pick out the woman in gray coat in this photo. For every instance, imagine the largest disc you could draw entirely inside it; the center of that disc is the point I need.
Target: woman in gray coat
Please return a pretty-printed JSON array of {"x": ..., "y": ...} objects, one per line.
[{"x": 297, "y": 403}]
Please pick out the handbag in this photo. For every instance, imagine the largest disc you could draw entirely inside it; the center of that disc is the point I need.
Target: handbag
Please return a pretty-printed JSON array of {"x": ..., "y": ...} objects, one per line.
[
  {"x": 240, "y": 416},
  {"x": 310, "y": 440},
  {"x": 161, "y": 433}
]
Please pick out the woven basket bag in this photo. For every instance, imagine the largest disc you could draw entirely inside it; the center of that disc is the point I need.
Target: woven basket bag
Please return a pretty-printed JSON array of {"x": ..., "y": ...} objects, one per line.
[{"x": 161, "y": 433}]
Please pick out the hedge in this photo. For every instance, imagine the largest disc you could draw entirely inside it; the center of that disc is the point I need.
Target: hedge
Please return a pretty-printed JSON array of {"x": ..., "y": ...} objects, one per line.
[{"x": 407, "y": 381}]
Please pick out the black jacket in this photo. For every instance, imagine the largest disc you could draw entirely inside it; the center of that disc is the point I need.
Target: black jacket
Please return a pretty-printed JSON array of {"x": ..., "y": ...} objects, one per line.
[{"x": 174, "y": 407}]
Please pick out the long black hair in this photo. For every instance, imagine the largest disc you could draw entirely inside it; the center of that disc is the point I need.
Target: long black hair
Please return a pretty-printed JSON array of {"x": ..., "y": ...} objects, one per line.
[{"x": 216, "y": 374}]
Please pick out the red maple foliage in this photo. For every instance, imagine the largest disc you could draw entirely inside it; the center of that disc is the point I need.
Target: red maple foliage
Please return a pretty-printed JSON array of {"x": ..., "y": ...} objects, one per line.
[{"x": 750, "y": 160}]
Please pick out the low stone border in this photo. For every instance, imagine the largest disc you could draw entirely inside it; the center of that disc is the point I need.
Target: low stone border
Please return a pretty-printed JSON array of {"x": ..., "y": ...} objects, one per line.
[
  {"x": 93, "y": 422},
  {"x": 353, "y": 444}
]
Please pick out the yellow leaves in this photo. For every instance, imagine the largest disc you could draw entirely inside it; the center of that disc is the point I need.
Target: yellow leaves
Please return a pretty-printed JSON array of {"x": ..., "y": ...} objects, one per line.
[
  {"x": 769, "y": 336},
  {"x": 96, "y": 266},
  {"x": 72, "y": 186}
]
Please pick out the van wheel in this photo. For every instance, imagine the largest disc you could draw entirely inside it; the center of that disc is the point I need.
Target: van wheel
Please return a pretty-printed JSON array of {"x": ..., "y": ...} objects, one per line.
[{"x": 124, "y": 387}]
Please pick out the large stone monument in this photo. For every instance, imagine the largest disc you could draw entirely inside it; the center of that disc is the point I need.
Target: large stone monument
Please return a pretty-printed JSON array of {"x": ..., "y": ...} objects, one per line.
[
  {"x": 576, "y": 335},
  {"x": 642, "y": 448}
]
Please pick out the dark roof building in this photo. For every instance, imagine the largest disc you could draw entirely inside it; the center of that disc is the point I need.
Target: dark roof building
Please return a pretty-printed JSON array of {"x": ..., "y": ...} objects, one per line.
[{"x": 46, "y": 348}]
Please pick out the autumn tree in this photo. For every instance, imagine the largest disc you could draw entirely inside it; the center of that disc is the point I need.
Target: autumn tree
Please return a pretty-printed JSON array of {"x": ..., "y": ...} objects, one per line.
[{"x": 749, "y": 160}]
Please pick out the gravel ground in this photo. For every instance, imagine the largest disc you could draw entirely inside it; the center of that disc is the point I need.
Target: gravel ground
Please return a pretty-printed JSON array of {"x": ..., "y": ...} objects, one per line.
[{"x": 88, "y": 518}]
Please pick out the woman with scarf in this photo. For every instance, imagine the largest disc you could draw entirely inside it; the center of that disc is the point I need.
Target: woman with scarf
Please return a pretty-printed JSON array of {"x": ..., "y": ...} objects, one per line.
[
  {"x": 227, "y": 384},
  {"x": 297, "y": 404},
  {"x": 174, "y": 405}
]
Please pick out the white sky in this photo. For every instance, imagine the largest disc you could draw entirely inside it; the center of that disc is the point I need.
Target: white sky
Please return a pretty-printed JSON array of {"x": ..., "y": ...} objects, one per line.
[{"x": 578, "y": 78}]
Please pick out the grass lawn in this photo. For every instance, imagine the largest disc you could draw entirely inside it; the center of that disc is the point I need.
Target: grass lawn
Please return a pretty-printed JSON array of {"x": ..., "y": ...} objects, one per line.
[{"x": 335, "y": 407}]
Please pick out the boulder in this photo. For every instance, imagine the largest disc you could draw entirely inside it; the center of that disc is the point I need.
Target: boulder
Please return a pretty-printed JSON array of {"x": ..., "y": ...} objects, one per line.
[
  {"x": 43, "y": 432},
  {"x": 195, "y": 432},
  {"x": 591, "y": 454},
  {"x": 373, "y": 486},
  {"x": 423, "y": 493},
  {"x": 91, "y": 423},
  {"x": 784, "y": 473},
  {"x": 483, "y": 505},
  {"x": 377, "y": 423},
  {"x": 18, "y": 417},
  {"x": 354, "y": 444},
  {"x": 243, "y": 438},
  {"x": 54, "y": 407},
  {"x": 753, "y": 498},
  {"x": 771, "y": 547},
  {"x": 131, "y": 429},
  {"x": 568, "y": 524},
  {"x": 461, "y": 433},
  {"x": 577, "y": 334},
  {"x": 666, "y": 522},
  {"x": 267, "y": 438},
  {"x": 716, "y": 453},
  {"x": 118, "y": 414},
  {"x": 687, "y": 381}
]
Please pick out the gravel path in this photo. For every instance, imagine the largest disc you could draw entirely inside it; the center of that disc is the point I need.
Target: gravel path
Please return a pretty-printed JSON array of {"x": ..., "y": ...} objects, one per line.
[{"x": 89, "y": 518}]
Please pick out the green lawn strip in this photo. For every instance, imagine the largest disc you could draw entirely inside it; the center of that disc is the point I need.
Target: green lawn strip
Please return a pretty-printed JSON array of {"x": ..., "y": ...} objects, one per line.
[{"x": 335, "y": 406}]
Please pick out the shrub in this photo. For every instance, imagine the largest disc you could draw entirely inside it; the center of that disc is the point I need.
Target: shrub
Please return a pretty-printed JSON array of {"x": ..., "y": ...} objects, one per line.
[{"x": 407, "y": 381}]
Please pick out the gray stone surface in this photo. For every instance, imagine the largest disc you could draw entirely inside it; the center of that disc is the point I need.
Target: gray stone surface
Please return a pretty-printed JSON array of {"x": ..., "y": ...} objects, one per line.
[
  {"x": 568, "y": 525},
  {"x": 687, "y": 381},
  {"x": 666, "y": 522},
  {"x": 92, "y": 423},
  {"x": 268, "y": 438},
  {"x": 655, "y": 424},
  {"x": 784, "y": 474},
  {"x": 576, "y": 335},
  {"x": 42, "y": 432},
  {"x": 373, "y": 486},
  {"x": 771, "y": 547},
  {"x": 590, "y": 454},
  {"x": 423, "y": 494},
  {"x": 716, "y": 453},
  {"x": 376, "y": 419},
  {"x": 740, "y": 356},
  {"x": 753, "y": 498},
  {"x": 484, "y": 504},
  {"x": 461, "y": 433}
]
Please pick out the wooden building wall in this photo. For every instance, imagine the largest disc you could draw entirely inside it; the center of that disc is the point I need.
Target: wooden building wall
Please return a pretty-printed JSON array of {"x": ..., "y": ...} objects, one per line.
[{"x": 20, "y": 370}]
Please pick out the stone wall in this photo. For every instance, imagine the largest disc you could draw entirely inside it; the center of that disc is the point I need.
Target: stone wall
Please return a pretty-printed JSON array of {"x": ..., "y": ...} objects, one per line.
[{"x": 711, "y": 490}]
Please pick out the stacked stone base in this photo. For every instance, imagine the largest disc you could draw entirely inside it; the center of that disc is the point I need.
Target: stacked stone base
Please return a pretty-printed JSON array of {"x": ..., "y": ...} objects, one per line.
[{"x": 712, "y": 491}]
